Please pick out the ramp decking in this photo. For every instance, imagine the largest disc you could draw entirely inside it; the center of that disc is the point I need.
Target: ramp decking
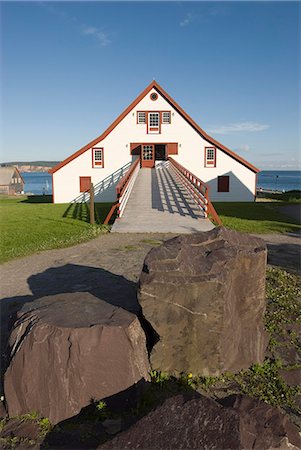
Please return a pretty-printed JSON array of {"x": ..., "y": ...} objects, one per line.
[{"x": 159, "y": 203}]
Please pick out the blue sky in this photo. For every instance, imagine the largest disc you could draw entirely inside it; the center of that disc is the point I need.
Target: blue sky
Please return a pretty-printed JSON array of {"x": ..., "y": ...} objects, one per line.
[{"x": 70, "y": 68}]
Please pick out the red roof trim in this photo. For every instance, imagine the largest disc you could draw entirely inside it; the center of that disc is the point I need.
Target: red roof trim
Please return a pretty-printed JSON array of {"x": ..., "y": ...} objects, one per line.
[{"x": 156, "y": 86}]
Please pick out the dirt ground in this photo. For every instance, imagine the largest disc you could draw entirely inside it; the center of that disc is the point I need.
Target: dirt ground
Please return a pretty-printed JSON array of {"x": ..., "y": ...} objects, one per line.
[{"x": 87, "y": 266}]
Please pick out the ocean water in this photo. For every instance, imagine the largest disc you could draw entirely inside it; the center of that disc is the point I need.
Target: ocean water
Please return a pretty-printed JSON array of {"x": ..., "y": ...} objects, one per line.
[
  {"x": 37, "y": 183},
  {"x": 279, "y": 180}
]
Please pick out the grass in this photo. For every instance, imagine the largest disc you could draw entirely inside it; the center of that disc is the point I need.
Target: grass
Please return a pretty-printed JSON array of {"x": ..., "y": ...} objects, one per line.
[
  {"x": 289, "y": 196},
  {"x": 260, "y": 218},
  {"x": 32, "y": 224}
]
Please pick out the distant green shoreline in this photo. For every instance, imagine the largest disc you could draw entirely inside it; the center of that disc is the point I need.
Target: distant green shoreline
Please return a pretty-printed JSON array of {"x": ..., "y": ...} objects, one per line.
[{"x": 31, "y": 163}]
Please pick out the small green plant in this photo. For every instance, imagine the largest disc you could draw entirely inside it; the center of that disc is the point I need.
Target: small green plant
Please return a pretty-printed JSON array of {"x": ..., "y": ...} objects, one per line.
[
  {"x": 130, "y": 248},
  {"x": 153, "y": 242},
  {"x": 101, "y": 405},
  {"x": 159, "y": 377},
  {"x": 264, "y": 382},
  {"x": 45, "y": 426},
  {"x": 187, "y": 379},
  {"x": 32, "y": 415},
  {"x": 2, "y": 423},
  {"x": 12, "y": 442},
  {"x": 101, "y": 410}
]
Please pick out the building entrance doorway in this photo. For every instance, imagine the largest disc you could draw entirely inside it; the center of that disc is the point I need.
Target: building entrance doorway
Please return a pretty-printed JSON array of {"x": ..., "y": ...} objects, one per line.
[
  {"x": 151, "y": 153},
  {"x": 160, "y": 152}
]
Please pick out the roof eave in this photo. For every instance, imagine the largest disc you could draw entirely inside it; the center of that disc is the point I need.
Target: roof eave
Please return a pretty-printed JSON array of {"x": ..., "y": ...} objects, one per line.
[{"x": 155, "y": 85}]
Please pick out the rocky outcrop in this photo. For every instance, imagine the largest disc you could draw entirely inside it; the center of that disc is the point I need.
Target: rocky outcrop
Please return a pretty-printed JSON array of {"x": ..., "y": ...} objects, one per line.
[
  {"x": 262, "y": 426},
  {"x": 202, "y": 423},
  {"x": 204, "y": 294},
  {"x": 68, "y": 349}
]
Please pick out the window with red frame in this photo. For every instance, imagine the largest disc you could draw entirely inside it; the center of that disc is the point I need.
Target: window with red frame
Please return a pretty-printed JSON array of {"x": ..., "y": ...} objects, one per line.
[
  {"x": 97, "y": 157},
  {"x": 210, "y": 157}
]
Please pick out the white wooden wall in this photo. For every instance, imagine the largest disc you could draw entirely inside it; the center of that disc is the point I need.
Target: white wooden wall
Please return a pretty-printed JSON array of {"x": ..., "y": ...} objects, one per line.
[{"x": 191, "y": 147}]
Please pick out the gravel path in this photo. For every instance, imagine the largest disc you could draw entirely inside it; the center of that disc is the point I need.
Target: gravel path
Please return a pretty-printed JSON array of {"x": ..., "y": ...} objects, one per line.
[{"x": 99, "y": 263}]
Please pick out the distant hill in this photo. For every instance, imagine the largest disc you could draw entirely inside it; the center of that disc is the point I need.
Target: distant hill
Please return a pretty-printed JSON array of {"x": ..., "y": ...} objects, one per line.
[
  {"x": 31, "y": 163},
  {"x": 32, "y": 166}
]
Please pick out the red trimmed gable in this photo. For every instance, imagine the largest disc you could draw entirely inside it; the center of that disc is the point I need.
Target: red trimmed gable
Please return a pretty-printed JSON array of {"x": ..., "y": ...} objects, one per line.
[{"x": 155, "y": 85}]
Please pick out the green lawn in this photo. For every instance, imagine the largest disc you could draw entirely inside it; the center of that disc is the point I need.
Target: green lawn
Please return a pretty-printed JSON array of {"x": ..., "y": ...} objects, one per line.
[
  {"x": 32, "y": 224},
  {"x": 261, "y": 217}
]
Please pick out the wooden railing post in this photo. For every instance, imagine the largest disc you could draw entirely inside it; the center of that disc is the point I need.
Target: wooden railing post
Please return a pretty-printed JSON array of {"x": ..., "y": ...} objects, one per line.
[
  {"x": 197, "y": 189},
  {"x": 92, "y": 204},
  {"x": 120, "y": 189}
]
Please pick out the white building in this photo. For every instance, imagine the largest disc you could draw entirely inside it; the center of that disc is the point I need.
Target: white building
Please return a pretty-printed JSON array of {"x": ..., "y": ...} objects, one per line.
[{"x": 153, "y": 127}]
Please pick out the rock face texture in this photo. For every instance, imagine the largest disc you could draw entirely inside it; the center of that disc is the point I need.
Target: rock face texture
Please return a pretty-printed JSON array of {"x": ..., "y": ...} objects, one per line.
[
  {"x": 201, "y": 423},
  {"x": 262, "y": 426},
  {"x": 181, "y": 424},
  {"x": 204, "y": 294},
  {"x": 68, "y": 349}
]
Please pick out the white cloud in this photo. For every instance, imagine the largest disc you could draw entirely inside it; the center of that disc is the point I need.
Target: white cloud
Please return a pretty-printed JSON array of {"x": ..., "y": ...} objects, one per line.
[
  {"x": 101, "y": 37},
  {"x": 89, "y": 30},
  {"x": 240, "y": 127},
  {"x": 188, "y": 19},
  {"x": 243, "y": 148}
]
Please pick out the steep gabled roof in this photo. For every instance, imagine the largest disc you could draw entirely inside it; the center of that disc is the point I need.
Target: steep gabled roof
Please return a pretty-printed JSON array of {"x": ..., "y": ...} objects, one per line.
[
  {"x": 7, "y": 173},
  {"x": 155, "y": 85}
]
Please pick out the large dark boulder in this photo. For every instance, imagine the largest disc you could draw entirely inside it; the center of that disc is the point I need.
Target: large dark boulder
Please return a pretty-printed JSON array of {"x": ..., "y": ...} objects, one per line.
[
  {"x": 204, "y": 294},
  {"x": 182, "y": 423},
  {"x": 202, "y": 423},
  {"x": 68, "y": 349},
  {"x": 263, "y": 426}
]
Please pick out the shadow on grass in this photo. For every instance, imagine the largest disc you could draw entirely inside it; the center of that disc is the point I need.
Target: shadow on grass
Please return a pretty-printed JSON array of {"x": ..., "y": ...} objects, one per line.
[
  {"x": 289, "y": 196},
  {"x": 81, "y": 211},
  {"x": 269, "y": 213},
  {"x": 38, "y": 199}
]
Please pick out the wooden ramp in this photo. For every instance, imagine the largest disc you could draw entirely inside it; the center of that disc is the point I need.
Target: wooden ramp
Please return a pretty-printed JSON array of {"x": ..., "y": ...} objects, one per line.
[{"x": 159, "y": 203}]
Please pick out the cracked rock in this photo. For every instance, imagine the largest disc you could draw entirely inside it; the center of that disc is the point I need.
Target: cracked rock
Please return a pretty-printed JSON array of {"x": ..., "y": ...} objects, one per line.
[
  {"x": 68, "y": 349},
  {"x": 204, "y": 295},
  {"x": 201, "y": 423}
]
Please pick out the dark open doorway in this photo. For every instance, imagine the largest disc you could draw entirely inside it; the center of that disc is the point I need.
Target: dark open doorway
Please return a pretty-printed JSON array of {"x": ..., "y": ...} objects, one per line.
[{"x": 160, "y": 152}]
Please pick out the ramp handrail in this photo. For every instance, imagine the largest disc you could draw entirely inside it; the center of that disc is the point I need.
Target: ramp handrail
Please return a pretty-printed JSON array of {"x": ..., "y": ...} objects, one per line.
[
  {"x": 198, "y": 190},
  {"x": 123, "y": 190}
]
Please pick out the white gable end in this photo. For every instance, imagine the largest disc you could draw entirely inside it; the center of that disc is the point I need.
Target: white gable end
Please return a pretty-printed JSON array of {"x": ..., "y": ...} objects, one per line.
[{"x": 115, "y": 150}]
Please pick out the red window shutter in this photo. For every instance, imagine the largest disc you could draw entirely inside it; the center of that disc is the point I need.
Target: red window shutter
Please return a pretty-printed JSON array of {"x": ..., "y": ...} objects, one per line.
[
  {"x": 172, "y": 148},
  {"x": 84, "y": 184},
  {"x": 223, "y": 183},
  {"x": 135, "y": 149}
]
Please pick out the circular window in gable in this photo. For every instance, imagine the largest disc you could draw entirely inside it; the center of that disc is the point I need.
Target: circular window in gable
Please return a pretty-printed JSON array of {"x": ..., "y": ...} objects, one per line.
[{"x": 154, "y": 96}]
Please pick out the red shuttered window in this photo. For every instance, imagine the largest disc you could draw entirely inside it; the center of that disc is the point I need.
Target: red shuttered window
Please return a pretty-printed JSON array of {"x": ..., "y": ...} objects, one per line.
[
  {"x": 223, "y": 183},
  {"x": 84, "y": 184}
]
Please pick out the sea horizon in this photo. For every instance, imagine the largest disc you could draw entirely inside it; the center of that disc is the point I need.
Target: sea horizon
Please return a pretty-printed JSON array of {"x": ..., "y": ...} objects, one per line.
[{"x": 39, "y": 183}]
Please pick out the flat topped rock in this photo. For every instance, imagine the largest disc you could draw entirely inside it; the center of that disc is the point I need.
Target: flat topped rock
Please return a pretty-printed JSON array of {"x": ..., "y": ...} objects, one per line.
[
  {"x": 204, "y": 295},
  {"x": 200, "y": 254},
  {"x": 76, "y": 310},
  {"x": 67, "y": 349}
]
